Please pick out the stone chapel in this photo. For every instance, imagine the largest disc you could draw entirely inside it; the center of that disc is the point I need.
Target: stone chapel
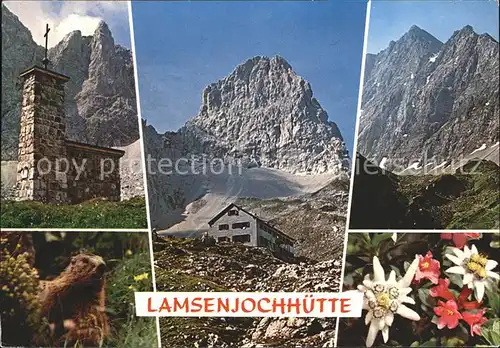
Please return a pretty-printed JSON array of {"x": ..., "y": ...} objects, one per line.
[{"x": 51, "y": 168}]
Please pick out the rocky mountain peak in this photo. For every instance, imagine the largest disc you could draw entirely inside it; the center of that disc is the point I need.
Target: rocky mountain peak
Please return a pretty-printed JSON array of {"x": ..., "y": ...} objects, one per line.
[
  {"x": 419, "y": 39},
  {"x": 467, "y": 30},
  {"x": 257, "y": 68},
  {"x": 74, "y": 35},
  {"x": 279, "y": 60},
  {"x": 466, "y": 33},
  {"x": 265, "y": 113},
  {"x": 69, "y": 47},
  {"x": 407, "y": 51},
  {"x": 11, "y": 21},
  {"x": 425, "y": 96},
  {"x": 261, "y": 63},
  {"x": 102, "y": 31},
  {"x": 100, "y": 95},
  {"x": 415, "y": 31},
  {"x": 106, "y": 62},
  {"x": 103, "y": 44},
  {"x": 399, "y": 62}
]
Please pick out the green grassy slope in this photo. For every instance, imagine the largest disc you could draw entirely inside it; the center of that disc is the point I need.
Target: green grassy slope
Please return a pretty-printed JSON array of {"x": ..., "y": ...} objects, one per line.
[{"x": 91, "y": 214}]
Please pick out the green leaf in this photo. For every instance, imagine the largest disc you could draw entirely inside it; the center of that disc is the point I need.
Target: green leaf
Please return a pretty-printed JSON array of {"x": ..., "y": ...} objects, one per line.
[
  {"x": 379, "y": 238},
  {"x": 493, "y": 298},
  {"x": 366, "y": 237},
  {"x": 496, "y": 325},
  {"x": 423, "y": 295},
  {"x": 351, "y": 249},
  {"x": 51, "y": 237},
  {"x": 415, "y": 344},
  {"x": 492, "y": 337},
  {"x": 456, "y": 279},
  {"x": 430, "y": 343},
  {"x": 111, "y": 311},
  {"x": 359, "y": 271},
  {"x": 348, "y": 279},
  {"x": 395, "y": 269},
  {"x": 491, "y": 331},
  {"x": 495, "y": 241},
  {"x": 406, "y": 265},
  {"x": 453, "y": 342},
  {"x": 427, "y": 285}
]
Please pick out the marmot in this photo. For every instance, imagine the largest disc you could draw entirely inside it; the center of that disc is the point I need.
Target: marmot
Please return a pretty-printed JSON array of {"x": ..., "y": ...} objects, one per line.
[{"x": 74, "y": 303}]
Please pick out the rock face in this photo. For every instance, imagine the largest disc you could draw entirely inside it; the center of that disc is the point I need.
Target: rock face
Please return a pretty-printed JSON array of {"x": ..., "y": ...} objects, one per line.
[
  {"x": 131, "y": 171},
  {"x": 19, "y": 52},
  {"x": 316, "y": 220},
  {"x": 264, "y": 114},
  {"x": 100, "y": 97},
  {"x": 166, "y": 193},
  {"x": 422, "y": 95}
]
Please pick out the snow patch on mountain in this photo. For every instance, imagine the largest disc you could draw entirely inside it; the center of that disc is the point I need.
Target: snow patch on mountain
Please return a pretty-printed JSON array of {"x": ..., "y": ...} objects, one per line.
[
  {"x": 482, "y": 147},
  {"x": 262, "y": 122}
]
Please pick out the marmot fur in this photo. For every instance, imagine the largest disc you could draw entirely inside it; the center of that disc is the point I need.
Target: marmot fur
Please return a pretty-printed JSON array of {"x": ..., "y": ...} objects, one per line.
[{"x": 74, "y": 303}]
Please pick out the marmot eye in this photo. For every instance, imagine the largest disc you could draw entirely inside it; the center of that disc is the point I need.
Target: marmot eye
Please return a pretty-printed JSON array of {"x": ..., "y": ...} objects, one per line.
[{"x": 85, "y": 260}]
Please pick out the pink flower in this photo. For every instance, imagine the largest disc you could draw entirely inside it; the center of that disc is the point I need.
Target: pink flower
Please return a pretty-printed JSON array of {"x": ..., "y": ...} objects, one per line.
[
  {"x": 428, "y": 268},
  {"x": 464, "y": 303},
  {"x": 460, "y": 239},
  {"x": 448, "y": 314},
  {"x": 441, "y": 290},
  {"x": 475, "y": 321}
]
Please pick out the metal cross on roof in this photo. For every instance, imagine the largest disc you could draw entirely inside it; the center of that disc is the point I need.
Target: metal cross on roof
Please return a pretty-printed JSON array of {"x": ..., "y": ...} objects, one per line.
[{"x": 45, "y": 60}]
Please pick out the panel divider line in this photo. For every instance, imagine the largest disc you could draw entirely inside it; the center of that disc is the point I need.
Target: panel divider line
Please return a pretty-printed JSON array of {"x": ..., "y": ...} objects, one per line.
[
  {"x": 353, "y": 165},
  {"x": 143, "y": 153}
]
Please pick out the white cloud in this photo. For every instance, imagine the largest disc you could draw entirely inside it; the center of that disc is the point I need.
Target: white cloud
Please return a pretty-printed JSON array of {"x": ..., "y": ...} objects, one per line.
[
  {"x": 64, "y": 17},
  {"x": 86, "y": 24}
]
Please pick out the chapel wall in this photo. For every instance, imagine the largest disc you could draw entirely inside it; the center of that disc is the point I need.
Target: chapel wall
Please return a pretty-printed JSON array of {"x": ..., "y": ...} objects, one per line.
[
  {"x": 93, "y": 174},
  {"x": 41, "y": 138}
]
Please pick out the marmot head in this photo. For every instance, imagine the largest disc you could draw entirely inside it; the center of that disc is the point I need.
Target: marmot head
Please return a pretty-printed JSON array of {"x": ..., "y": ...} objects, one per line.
[{"x": 86, "y": 268}]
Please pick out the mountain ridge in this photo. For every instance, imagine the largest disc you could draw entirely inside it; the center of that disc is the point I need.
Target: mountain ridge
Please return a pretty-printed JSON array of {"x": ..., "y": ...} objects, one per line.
[
  {"x": 259, "y": 114},
  {"x": 100, "y": 91},
  {"x": 438, "y": 100},
  {"x": 265, "y": 113}
]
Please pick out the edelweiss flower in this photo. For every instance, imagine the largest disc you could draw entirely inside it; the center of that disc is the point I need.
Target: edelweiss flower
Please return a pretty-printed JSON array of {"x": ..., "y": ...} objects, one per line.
[
  {"x": 475, "y": 267},
  {"x": 384, "y": 298}
]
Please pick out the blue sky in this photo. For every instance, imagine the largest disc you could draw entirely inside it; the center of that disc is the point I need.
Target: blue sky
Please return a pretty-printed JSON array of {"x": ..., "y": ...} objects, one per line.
[
  {"x": 182, "y": 47},
  {"x": 389, "y": 20}
]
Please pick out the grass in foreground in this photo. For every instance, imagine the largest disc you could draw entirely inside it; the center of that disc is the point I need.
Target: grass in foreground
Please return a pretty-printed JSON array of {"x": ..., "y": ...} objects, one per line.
[
  {"x": 129, "y": 331},
  {"x": 459, "y": 201},
  {"x": 90, "y": 214}
]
